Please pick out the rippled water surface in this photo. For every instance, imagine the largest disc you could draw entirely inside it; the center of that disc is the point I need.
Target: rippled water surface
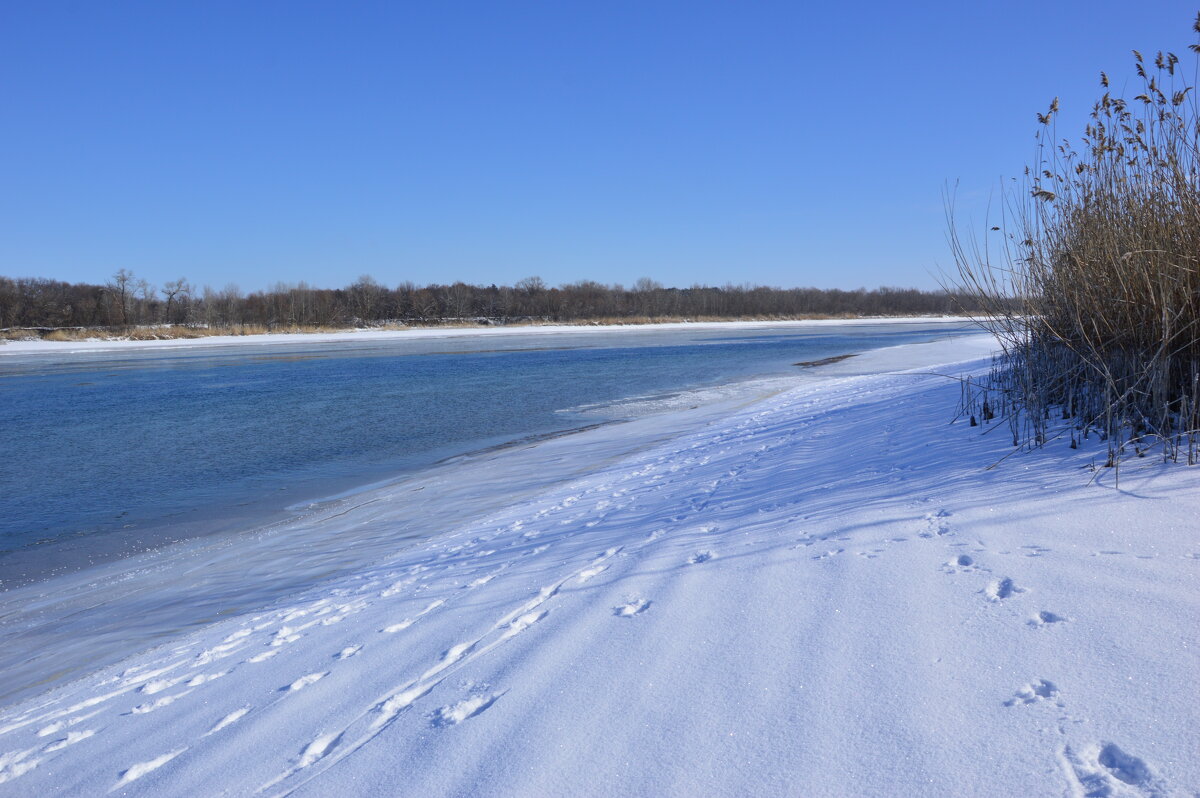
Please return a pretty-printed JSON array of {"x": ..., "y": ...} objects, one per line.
[{"x": 103, "y": 453}]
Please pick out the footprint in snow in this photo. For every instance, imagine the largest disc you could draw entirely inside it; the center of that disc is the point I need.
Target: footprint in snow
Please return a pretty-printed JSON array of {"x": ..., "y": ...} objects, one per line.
[
  {"x": 304, "y": 681},
  {"x": 963, "y": 563},
  {"x": 70, "y": 739},
  {"x": 1044, "y": 618},
  {"x": 1000, "y": 589},
  {"x": 830, "y": 553},
  {"x": 136, "y": 771},
  {"x": 700, "y": 557},
  {"x": 1041, "y": 690},
  {"x": 631, "y": 608},
  {"x": 228, "y": 720},
  {"x": 935, "y": 524},
  {"x": 1106, "y": 770},
  {"x": 454, "y": 714}
]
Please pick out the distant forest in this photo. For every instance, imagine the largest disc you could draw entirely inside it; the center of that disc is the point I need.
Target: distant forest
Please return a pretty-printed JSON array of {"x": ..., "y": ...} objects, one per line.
[{"x": 128, "y": 301}]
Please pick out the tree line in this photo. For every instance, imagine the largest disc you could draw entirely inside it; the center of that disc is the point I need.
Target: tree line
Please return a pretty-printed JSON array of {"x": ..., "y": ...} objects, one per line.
[{"x": 127, "y": 301}]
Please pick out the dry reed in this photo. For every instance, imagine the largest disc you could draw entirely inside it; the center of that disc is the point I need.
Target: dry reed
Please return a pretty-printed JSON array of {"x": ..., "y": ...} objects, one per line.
[{"x": 1095, "y": 293}]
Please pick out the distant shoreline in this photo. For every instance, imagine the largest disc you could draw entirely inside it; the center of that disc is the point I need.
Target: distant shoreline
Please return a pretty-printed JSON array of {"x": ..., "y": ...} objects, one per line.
[{"x": 42, "y": 346}]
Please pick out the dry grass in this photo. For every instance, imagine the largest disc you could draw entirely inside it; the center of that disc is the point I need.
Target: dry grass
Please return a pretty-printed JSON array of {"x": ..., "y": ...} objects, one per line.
[
  {"x": 161, "y": 332},
  {"x": 174, "y": 332},
  {"x": 1096, "y": 291}
]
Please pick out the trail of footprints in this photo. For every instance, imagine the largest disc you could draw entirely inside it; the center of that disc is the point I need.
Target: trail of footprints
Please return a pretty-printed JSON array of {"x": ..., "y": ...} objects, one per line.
[
  {"x": 330, "y": 747},
  {"x": 1099, "y": 770},
  {"x": 64, "y": 727},
  {"x": 1102, "y": 769},
  {"x": 284, "y": 628}
]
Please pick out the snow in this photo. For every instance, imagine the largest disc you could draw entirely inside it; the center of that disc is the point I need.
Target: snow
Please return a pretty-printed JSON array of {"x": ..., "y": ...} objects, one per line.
[
  {"x": 824, "y": 592},
  {"x": 365, "y": 335}
]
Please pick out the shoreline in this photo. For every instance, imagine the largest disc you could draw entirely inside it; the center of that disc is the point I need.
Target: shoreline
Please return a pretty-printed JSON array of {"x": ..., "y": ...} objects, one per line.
[
  {"x": 800, "y": 589},
  {"x": 11, "y": 348},
  {"x": 78, "y": 552},
  {"x": 297, "y": 539}
]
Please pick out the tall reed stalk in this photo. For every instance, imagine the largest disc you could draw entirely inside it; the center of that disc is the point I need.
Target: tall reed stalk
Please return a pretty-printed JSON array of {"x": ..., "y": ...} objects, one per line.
[{"x": 1095, "y": 292}]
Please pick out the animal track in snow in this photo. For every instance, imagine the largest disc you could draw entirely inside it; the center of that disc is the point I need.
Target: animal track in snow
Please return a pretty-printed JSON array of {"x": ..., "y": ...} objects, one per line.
[
  {"x": 16, "y": 763},
  {"x": 284, "y": 636},
  {"x": 135, "y": 772},
  {"x": 398, "y": 627},
  {"x": 228, "y": 720},
  {"x": 451, "y": 656},
  {"x": 454, "y": 714},
  {"x": 204, "y": 678},
  {"x": 348, "y": 652},
  {"x": 631, "y": 608},
  {"x": 1000, "y": 589},
  {"x": 57, "y": 726},
  {"x": 963, "y": 563},
  {"x": 142, "y": 709},
  {"x": 238, "y": 635},
  {"x": 830, "y": 553},
  {"x": 588, "y": 573},
  {"x": 407, "y": 622},
  {"x": 305, "y": 681},
  {"x": 158, "y": 685},
  {"x": 935, "y": 524},
  {"x": 700, "y": 557},
  {"x": 1041, "y": 690},
  {"x": 70, "y": 739},
  {"x": 1105, "y": 770},
  {"x": 521, "y": 623},
  {"x": 1044, "y": 618},
  {"x": 1034, "y": 550},
  {"x": 397, "y": 587},
  {"x": 398, "y": 699}
]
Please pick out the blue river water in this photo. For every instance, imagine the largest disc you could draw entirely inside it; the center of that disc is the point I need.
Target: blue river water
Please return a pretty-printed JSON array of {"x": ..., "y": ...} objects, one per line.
[{"x": 107, "y": 453}]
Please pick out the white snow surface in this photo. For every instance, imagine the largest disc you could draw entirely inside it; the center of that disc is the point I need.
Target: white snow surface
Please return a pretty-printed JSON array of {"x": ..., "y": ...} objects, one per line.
[
  {"x": 269, "y": 339},
  {"x": 821, "y": 593}
]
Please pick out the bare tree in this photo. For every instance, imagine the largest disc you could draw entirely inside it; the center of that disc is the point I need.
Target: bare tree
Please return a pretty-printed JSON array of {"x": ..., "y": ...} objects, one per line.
[
  {"x": 121, "y": 289},
  {"x": 175, "y": 288},
  {"x": 365, "y": 295}
]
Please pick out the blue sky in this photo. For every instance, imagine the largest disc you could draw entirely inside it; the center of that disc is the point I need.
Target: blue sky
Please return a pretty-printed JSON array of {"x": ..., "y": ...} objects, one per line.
[{"x": 780, "y": 144}]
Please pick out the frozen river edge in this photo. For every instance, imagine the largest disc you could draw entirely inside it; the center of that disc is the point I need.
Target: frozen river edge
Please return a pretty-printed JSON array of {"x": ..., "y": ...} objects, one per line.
[
  {"x": 40, "y": 347},
  {"x": 820, "y": 593}
]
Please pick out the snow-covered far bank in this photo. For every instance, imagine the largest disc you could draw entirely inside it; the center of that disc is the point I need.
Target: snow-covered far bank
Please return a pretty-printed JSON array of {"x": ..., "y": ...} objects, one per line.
[
  {"x": 822, "y": 593},
  {"x": 62, "y": 347}
]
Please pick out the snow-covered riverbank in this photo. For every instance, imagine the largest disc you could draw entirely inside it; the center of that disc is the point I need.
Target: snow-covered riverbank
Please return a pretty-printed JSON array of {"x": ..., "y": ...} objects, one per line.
[
  {"x": 821, "y": 593},
  {"x": 100, "y": 345}
]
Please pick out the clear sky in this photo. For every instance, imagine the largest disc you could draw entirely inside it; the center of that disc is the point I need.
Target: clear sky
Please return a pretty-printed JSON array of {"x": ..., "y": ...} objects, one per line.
[{"x": 778, "y": 143}]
